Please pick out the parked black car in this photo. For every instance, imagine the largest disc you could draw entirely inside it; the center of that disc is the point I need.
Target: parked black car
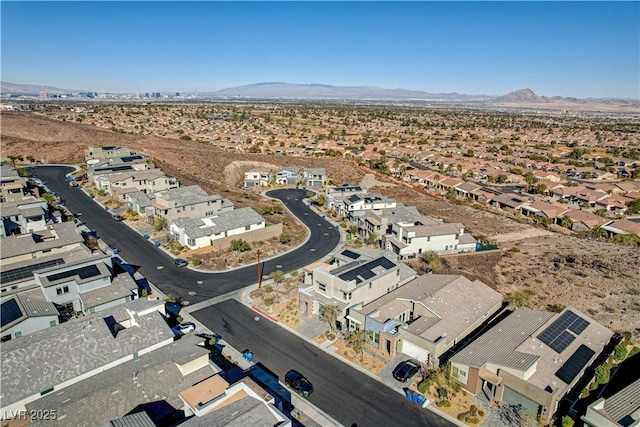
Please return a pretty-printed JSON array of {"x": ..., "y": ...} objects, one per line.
[
  {"x": 298, "y": 382},
  {"x": 405, "y": 370}
]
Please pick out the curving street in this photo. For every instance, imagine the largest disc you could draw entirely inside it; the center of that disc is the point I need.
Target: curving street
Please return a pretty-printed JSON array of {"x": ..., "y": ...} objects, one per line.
[
  {"x": 344, "y": 392},
  {"x": 158, "y": 267}
]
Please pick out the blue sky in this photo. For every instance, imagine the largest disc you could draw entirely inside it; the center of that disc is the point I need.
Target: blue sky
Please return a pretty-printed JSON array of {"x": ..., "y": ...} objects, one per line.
[{"x": 579, "y": 49}]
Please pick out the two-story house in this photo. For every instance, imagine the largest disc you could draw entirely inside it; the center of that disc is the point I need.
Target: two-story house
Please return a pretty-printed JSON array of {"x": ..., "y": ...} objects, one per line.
[
  {"x": 411, "y": 239},
  {"x": 314, "y": 177},
  {"x": 288, "y": 175},
  {"x": 258, "y": 177},
  {"x": 187, "y": 202},
  {"x": 147, "y": 181},
  {"x": 12, "y": 185},
  {"x": 360, "y": 281},
  {"x": 25, "y": 216}
]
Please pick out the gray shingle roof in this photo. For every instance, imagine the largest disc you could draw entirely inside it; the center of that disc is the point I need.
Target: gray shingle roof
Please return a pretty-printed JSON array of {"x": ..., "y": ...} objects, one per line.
[
  {"x": 185, "y": 196},
  {"x": 44, "y": 359},
  {"x": 139, "y": 419},
  {"x": 153, "y": 377},
  {"x": 66, "y": 232},
  {"x": 625, "y": 403},
  {"x": 439, "y": 229},
  {"x": 119, "y": 288},
  {"x": 247, "y": 411},
  {"x": 498, "y": 345},
  {"x": 224, "y": 221}
]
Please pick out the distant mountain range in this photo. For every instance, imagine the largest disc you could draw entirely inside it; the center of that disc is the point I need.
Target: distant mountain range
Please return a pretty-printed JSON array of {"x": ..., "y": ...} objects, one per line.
[
  {"x": 277, "y": 90},
  {"x": 320, "y": 91}
]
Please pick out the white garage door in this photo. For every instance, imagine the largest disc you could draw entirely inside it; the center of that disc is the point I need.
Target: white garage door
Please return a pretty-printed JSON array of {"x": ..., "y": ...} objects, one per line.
[{"x": 412, "y": 350}]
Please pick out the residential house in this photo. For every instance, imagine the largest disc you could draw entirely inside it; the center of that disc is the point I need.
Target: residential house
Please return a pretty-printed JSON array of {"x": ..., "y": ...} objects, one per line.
[
  {"x": 288, "y": 175},
  {"x": 107, "y": 151},
  {"x": 139, "y": 201},
  {"x": 314, "y": 177},
  {"x": 150, "y": 383},
  {"x": 620, "y": 409},
  {"x": 356, "y": 203},
  {"x": 57, "y": 238},
  {"x": 12, "y": 185},
  {"x": 616, "y": 203},
  {"x": 531, "y": 358},
  {"x": 378, "y": 221},
  {"x": 344, "y": 189},
  {"x": 218, "y": 230},
  {"x": 360, "y": 281},
  {"x": 426, "y": 317},
  {"x": 187, "y": 202},
  {"x": 116, "y": 164},
  {"x": 545, "y": 210},
  {"x": 87, "y": 285},
  {"x": 622, "y": 226},
  {"x": 25, "y": 216},
  {"x": 584, "y": 221},
  {"x": 411, "y": 239},
  {"x": 258, "y": 177},
  {"x": 44, "y": 363},
  {"x": 147, "y": 181},
  {"x": 510, "y": 201},
  {"x": 26, "y": 313},
  {"x": 215, "y": 401}
]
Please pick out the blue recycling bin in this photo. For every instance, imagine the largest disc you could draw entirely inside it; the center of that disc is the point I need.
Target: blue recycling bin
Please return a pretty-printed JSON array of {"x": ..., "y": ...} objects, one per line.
[
  {"x": 157, "y": 244},
  {"x": 145, "y": 236}
]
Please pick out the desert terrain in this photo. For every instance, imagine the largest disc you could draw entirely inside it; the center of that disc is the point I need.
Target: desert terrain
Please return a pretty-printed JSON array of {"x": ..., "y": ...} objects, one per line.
[{"x": 551, "y": 268}]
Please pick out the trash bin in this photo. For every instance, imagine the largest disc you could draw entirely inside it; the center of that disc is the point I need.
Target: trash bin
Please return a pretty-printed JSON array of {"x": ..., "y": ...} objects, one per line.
[
  {"x": 157, "y": 244},
  {"x": 145, "y": 236}
]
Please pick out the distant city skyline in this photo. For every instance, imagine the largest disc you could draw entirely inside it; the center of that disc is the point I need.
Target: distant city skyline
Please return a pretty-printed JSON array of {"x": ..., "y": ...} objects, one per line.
[{"x": 569, "y": 49}]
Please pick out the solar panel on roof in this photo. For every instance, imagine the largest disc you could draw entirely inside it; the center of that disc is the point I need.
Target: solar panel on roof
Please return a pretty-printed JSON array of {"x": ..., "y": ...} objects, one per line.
[
  {"x": 575, "y": 364},
  {"x": 83, "y": 272},
  {"x": 350, "y": 254},
  {"x": 364, "y": 272},
  {"x": 579, "y": 325},
  {"x": 556, "y": 335},
  {"x": 562, "y": 341},
  {"x": 9, "y": 312},
  {"x": 26, "y": 272}
]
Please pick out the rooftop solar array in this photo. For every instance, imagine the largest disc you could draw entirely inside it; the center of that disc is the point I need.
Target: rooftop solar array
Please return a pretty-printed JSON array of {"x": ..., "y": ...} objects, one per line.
[
  {"x": 556, "y": 335},
  {"x": 575, "y": 364},
  {"x": 10, "y": 311},
  {"x": 364, "y": 272},
  {"x": 26, "y": 272},
  {"x": 350, "y": 254},
  {"x": 83, "y": 272}
]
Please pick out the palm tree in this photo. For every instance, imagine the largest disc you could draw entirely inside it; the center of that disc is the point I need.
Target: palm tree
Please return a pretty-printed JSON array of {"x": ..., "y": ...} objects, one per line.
[{"x": 566, "y": 222}]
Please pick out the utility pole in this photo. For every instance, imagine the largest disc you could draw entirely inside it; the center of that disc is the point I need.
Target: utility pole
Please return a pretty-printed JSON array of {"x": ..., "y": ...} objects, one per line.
[{"x": 259, "y": 271}]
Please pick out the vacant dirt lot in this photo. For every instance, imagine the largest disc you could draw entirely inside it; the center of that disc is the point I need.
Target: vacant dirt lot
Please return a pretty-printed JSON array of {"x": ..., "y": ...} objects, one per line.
[{"x": 595, "y": 277}]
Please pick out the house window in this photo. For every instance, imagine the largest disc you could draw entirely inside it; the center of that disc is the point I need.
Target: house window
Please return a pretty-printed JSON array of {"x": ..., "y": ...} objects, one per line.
[
  {"x": 208, "y": 214},
  {"x": 62, "y": 290},
  {"x": 346, "y": 296},
  {"x": 322, "y": 287},
  {"x": 455, "y": 371},
  {"x": 52, "y": 323},
  {"x": 18, "y": 334},
  {"x": 193, "y": 207},
  {"x": 402, "y": 317},
  {"x": 247, "y": 227},
  {"x": 191, "y": 242}
]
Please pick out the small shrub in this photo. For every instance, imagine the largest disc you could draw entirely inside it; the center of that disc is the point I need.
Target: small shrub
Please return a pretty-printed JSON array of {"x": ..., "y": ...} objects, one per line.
[
  {"x": 196, "y": 262},
  {"x": 557, "y": 308},
  {"x": 567, "y": 421},
  {"x": 293, "y": 273},
  {"x": 443, "y": 404},
  {"x": 269, "y": 301},
  {"x": 515, "y": 249},
  {"x": 423, "y": 386},
  {"x": 285, "y": 238},
  {"x": 620, "y": 352},
  {"x": 268, "y": 289},
  {"x": 472, "y": 420},
  {"x": 481, "y": 412}
]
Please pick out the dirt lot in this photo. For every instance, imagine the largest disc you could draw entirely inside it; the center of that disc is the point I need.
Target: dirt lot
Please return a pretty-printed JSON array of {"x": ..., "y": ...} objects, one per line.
[{"x": 598, "y": 278}]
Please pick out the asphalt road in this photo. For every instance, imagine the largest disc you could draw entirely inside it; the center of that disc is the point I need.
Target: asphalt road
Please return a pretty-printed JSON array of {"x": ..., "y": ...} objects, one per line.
[
  {"x": 158, "y": 267},
  {"x": 345, "y": 393}
]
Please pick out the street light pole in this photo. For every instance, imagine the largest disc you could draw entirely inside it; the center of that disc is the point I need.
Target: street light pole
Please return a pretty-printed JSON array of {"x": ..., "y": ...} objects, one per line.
[{"x": 259, "y": 271}]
